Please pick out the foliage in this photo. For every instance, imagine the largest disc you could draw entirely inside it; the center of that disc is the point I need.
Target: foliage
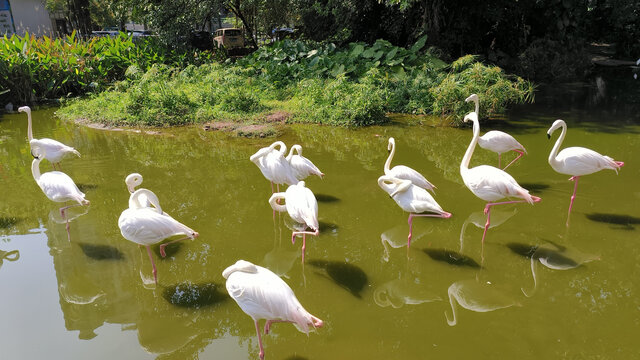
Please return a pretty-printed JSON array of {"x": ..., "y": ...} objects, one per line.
[
  {"x": 36, "y": 69},
  {"x": 549, "y": 60}
]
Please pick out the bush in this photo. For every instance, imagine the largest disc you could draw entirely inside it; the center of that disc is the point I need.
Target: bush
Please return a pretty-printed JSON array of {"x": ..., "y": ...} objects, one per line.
[{"x": 549, "y": 60}]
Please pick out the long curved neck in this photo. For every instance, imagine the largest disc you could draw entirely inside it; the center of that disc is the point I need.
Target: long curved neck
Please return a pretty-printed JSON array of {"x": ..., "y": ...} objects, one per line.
[
  {"x": 477, "y": 102},
  {"x": 556, "y": 147},
  {"x": 35, "y": 169},
  {"x": 29, "y": 131},
  {"x": 273, "y": 201},
  {"x": 283, "y": 147},
  {"x": 453, "y": 321},
  {"x": 387, "y": 164},
  {"x": 134, "y": 201},
  {"x": 464, "y": 165}
]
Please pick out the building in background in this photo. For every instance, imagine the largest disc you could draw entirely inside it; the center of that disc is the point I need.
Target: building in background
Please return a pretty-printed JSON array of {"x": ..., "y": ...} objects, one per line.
[{"x": 22, "y": 16}]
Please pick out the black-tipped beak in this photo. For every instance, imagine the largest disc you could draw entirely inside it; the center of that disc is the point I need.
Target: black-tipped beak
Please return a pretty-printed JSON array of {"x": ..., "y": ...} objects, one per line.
[
  {"x": 548, "y": 136},
  {"x": 35, "y": 157}
]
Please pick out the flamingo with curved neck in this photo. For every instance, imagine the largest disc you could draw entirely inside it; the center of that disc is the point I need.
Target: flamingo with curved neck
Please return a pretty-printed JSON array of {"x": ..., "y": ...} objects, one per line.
[
  {"x": 274, "y": 166},
  {"x": 404, "y": 172},
  {"x": 577, "y": 161},
  {"x": 487, "y": 182},
  {"x": 302, "y": 167}
]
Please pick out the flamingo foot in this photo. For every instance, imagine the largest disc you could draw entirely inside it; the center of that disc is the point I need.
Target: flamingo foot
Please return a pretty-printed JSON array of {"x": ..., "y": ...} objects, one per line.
[
  {"x": 162, "y": 252},
  {"x": 536, "y": 199},
  {"x": 619, "y": 163}
]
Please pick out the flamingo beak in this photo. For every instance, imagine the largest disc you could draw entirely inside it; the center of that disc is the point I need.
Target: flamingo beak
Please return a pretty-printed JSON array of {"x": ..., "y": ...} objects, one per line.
[{"x": 548, "y": 136}]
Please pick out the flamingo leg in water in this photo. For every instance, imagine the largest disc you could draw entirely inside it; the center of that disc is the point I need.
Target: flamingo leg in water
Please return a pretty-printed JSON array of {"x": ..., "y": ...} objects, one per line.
[
  {"x": 267, "y": 325},
  {"x": 153, "y": 265},
  {"x": 487, "y": 211},
  {"x": 573, "y": 197},
  {"x": 520, "y": 154},
  {"x": 412, "y": 215},
  {"x": 499, "y": 160},
  {"x": 162, "y": 246},
  {"x": 260, "y": 341},
  {"x": 304, "y": 239}
]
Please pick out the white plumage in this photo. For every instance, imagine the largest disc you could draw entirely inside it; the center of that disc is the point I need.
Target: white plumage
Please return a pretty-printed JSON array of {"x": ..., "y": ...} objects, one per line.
[
  {"x": 273, "y": 165},
  {"x": 134, "y": 180},
  {"x": 412, "y": 199},
  {"x": 302, "y": 167},
  {"x": 54, "y": 150},
  {"x": 56, "y": 185},
  {"x": 404, "y": 172},
  {"x": 302, "y": 207},
  {"x": 261, "y": 294}
]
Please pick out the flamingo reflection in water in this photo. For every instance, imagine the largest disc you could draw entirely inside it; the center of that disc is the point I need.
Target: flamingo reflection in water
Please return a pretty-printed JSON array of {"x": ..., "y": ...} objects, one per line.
[
  {"x": 56, "y": 185},
  {"x": 412, "y": 199},
  {"x": 476, "y": 296},
  {"x": 478, "y": 219},
  {"x": 407, "y": 289},
  {"x": 150, "y": 225},
  {"x": 12, "y": 255},
  {"x": 576, "y": 161},
  {"x": 395, "y": 238},
  {"x": 302, "y": 206},
  {"x": 487, "y": 182},
  {"x": 261, "y": 294}
]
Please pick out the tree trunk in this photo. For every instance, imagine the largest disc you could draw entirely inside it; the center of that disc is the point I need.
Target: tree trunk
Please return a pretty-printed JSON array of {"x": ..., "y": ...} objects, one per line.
[{"x": 234, "y": 7}]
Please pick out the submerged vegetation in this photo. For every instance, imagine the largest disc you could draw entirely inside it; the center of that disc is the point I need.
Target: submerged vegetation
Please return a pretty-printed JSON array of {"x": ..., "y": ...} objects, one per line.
[{"x": 315, "y": 83}]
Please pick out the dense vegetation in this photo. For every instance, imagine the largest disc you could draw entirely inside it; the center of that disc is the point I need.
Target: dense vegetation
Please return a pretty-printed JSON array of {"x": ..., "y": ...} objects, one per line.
[
  {"x": 352, "y": 86},
  {"x": 36, "y": 69}
]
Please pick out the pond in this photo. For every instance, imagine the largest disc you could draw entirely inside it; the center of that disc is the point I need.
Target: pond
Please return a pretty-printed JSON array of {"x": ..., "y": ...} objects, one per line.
[{"x": 537, "y": 289}]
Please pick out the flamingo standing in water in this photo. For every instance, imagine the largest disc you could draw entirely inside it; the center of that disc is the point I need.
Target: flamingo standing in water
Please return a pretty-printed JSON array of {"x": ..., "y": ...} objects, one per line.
[
  {"x": 404, "y": 172},
  {"x": 56, "y": 185},
  {"x": 54, "y": 150},
  {"x": 274, "y": 166},
  {"x": 302, "y": 206},
  {"x": 498, "y": 141},
  {"x": 577, "y": 161},
  {"x": 412, "y": 199},
  {"x": 261, "y": 294},
  {"x": 302, "y": 167},
  {"x": 149, "y": 225},
  {"x": 487, "y": 182}
]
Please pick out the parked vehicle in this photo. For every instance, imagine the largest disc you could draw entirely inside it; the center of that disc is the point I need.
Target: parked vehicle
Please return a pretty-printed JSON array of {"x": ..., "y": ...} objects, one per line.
[{"x": 229, "y": 38}]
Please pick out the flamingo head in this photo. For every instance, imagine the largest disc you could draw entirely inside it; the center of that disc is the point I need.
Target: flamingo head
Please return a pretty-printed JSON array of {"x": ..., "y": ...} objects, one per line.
[
  {"x": 556, "y": 124},
  {"x": 37, "y": 151},
  {"x": 392, "y": 143},
  {"x": 472, "y": 97},
  {"x": 24, "y": 109},
  {"x": 472, "y": 116},
  {"x": 132, "y": 181}
]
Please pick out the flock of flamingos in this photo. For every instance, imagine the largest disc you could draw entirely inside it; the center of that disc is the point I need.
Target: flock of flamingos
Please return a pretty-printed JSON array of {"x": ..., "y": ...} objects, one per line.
[{"x": 259, "y": 292}]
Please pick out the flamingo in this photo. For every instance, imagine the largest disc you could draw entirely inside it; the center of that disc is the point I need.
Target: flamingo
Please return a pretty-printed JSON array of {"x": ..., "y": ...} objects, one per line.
[
  {"x": 56, "y": 185},
  {"x": 53, "y": 149},
  {"x": 261, "y": 294},
  {"x": 487, "y": 182},
  {"x": 149, "y": 225},
  {"x": 412, "y": 199},
  {"x": 302, "y": 206},
  {"x": 404, "y": 172},
  {"x": 577, "y": 161},
  {"x": 498, "y": 141},
  {"x": 134, "y": 180},
  {"x": 274, "y": 165},
  {"x": 302, "y": 167}
]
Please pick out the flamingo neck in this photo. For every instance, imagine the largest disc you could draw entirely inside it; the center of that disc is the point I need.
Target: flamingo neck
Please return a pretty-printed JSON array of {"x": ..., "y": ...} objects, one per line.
[
  {"x": 296, "y": 148},
  {"x": 283, "y": 147},
  {"x": 477, "y": 102},
  {"x": 273, "y": 201},
  {"x": 387, "y": 164},
  {"x": 382, "y": 182},
  {"x": 35, "y": 169},
  {"x": 29, "y": 131},
  {"x": 556, "y": 147},
  {"x": 464, "y": 165},
  {"x": 134, "y": 201}
]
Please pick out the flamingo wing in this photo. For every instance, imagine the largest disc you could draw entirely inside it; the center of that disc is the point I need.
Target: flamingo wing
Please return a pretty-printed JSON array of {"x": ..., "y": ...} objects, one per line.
[
  {"x": 499, "y": 142},
  {"x": 59, "y": 187},
  {"x": 54, "y": 150},
  {"x": 491, "y": 184},
  {"x": 146, "y": 226},
  {"x": 407, "y": 173},
  {"x": 303, "y": 167},
  {"x": 302, "y": 205},
  {"x": 578, "y": 161}
]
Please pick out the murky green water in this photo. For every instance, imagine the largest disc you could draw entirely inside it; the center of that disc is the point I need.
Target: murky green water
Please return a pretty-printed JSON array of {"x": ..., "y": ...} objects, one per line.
[{"x": 93, "y": 297}]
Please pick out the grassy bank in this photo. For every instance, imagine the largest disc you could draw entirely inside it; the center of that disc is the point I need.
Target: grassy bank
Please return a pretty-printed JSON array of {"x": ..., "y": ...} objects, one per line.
[{"x": 314, "y": 83}]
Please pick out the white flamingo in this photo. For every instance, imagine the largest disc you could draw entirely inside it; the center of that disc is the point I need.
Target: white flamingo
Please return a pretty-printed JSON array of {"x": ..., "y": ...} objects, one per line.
[
  {"x": 498, "y": 141},
  {"x": 261, "y": 294},
  {"x": 149, "y": 225},
  {"x": 487, "y": 182},
  {"x": 577, "y": 161},
  {"x": 134, "y": 180},
  {"x": 53, "y": 149},
  {"x": 302, "y": 167},
  {"x": 412, "y": 199},
  {"x": 302, "y": 206},
  {"x": 404, "y": 172},
  {"x": 273, "y": 165},
  {"x": 56, "y": 185}
]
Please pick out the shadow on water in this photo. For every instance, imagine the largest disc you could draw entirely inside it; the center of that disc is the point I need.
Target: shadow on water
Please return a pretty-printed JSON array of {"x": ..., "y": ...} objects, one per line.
[
  {"x": 348, "y": 276},
  {"x": 85, "y": 187},
  {"x": 535, "y": 187},
  {"x": 523, "y": 250},
  {"x": 170, "y": 250},
  {"x": 451, "y": 257},
  {"x": 325, "y": 198},
  {"x": 327, "y": 226},
  {"x": 8, "y": 222},
  {"x": 296, "y": 357},
  {"x": 625, "y": 221},
  {"x": 101, "y": 252},
  {"x": 194, "y": 296}
]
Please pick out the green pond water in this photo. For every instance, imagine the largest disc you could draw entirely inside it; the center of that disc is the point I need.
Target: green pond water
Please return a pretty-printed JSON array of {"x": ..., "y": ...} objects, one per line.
[{"x": 94, "y": 296}]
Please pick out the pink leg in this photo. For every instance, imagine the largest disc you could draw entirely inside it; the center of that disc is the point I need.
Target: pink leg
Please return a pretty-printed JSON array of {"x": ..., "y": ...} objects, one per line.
[
  {"x": 272, "y": 188},
  {"x": 304, "y": 240},
  {"x": 162, "y": 246},
  {"x": 499, "y": 160},
  {"x": 620, "y": 163},
  {"x": 153, "y": 265},
  {"x": 520, "y": 154},
  {"x": 304, "y": 245},
  {"x": 260, "y": 341},
  {"x": 487, "y": 211},
  {"x": 573, "y": 197},
  {"x": 446, "y": 215}
]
